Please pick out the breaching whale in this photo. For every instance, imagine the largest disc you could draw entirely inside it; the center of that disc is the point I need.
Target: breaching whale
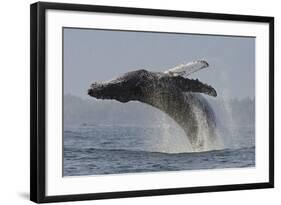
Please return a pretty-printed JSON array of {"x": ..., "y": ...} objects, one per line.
[{"x": 170, "y": 91}]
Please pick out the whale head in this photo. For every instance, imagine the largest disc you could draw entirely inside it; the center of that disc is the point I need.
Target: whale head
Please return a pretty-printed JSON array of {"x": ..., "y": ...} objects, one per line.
[{"x": 123, "y": 89}]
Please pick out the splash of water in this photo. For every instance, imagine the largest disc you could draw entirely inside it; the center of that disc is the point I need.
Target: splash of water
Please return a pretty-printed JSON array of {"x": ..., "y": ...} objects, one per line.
[
  {"x": 168, "y": 136},
  {"x": 173, "y": 139},
  {"x": 209, "y": 140}
]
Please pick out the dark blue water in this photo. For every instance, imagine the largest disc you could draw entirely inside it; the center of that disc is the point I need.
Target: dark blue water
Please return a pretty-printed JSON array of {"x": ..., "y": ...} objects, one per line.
[{"x": 113, "y": 149}]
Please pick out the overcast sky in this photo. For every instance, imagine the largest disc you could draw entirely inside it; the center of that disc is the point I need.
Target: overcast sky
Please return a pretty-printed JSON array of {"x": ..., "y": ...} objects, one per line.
[{"x": 96, "y": 55}]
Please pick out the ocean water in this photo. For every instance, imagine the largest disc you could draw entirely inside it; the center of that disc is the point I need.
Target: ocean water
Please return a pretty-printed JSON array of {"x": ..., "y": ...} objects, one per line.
[{"x": 94, "y": 149}]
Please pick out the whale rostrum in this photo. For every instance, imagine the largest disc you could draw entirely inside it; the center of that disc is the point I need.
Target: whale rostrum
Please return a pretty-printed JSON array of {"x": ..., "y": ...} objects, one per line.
[{"x": 170, "y": 92}]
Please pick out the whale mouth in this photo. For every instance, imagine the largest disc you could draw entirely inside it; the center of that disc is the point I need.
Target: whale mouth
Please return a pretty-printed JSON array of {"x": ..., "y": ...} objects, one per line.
[
  {"x": 96, "y": 90},
  {"x": 110, "y": 91},
  {"x": 102, "y": 90}
]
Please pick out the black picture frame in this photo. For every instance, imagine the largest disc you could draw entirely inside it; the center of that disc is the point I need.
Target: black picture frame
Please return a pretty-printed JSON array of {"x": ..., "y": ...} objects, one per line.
[{"x": 38, "y": 101}]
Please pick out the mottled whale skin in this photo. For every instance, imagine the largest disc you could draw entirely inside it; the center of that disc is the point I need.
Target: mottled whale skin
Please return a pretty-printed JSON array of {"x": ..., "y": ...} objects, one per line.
[{"x": 175, "y": 95}]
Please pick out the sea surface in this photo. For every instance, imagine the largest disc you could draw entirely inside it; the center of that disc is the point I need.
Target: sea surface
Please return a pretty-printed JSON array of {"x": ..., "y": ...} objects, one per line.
[{"x": 91, "y": 149}]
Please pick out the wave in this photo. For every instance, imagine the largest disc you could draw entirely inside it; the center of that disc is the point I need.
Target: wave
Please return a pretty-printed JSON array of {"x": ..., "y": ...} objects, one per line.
[{"x": 218, "y": 151}]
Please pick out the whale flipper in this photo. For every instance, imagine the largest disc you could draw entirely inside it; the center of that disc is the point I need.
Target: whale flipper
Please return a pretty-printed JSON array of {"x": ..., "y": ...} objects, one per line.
[{"x": 186, "y": 69}]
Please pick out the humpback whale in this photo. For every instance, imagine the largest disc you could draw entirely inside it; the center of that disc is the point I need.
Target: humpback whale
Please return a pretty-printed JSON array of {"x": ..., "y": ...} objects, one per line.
[{"x": 170, "y": 91}]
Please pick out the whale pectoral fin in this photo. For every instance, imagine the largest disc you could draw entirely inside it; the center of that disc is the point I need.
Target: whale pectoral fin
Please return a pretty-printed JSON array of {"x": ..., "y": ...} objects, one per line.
[
  {"x": 204, "y": 88},
  {"x": 190, "y": 85},
  {"x": 186, "y": 69}
]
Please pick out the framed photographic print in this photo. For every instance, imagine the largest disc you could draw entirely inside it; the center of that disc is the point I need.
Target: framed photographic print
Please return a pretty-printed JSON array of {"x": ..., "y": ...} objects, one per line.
[{"x": 129, "y": 102}]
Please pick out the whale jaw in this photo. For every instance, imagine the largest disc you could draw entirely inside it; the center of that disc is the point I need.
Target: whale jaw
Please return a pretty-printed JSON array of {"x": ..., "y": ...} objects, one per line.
[{"x": 108, "y": 91}]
